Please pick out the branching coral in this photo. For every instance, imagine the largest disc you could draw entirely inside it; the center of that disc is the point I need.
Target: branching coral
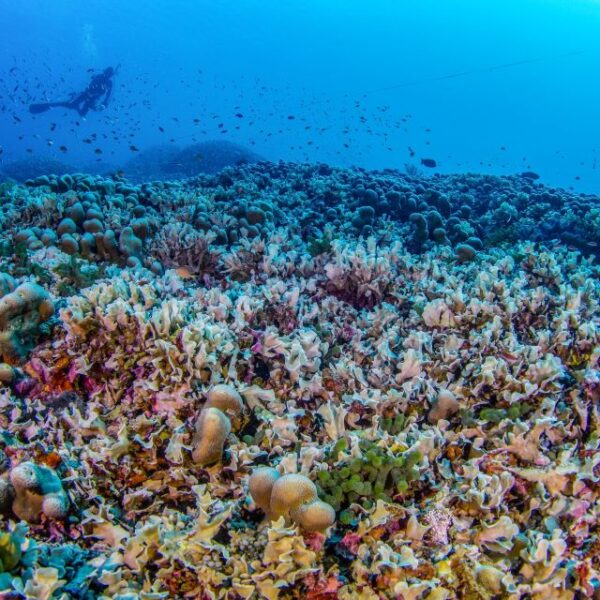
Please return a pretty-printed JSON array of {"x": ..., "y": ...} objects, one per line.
[
  {"x": 180, "y": 245},
  {"x": 374, "y": 474},
  {"x": 442, "y": 408}
]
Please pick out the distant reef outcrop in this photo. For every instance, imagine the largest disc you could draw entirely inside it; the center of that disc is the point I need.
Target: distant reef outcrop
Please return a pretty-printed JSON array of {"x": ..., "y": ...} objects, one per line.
[
  {"x": 30, "y": 168},
  {"x": 169, "y": 161}
]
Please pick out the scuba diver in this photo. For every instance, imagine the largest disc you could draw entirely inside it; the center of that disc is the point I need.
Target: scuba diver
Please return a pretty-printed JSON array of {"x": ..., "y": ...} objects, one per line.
[{"x": 94, "y": 97}]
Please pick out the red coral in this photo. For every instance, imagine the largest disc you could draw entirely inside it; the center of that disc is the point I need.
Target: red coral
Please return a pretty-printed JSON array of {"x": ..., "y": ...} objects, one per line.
[
  {"x": 351, "y": 541},
  {"x": 320, "y": 588},
  {"x": 314, "y": 540}
]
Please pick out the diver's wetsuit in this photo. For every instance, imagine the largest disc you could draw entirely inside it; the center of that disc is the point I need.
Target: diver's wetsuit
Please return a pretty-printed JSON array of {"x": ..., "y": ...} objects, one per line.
[{"x": 94, "y": 97}]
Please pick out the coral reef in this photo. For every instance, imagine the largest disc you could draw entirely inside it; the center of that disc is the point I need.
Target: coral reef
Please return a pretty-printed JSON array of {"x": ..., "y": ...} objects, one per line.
[{"x": 401, "y": 372}]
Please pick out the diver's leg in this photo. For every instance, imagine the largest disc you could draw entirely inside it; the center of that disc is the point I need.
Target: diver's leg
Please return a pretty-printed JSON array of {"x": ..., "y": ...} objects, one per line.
[{"x": 85, "y": 107}]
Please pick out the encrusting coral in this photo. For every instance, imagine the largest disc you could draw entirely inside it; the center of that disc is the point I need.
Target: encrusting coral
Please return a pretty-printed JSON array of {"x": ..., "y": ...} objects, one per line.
[{"x": 33, "y": 490}]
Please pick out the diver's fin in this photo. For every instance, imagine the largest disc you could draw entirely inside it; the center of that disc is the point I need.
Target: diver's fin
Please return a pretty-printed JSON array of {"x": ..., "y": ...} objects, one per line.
[
  {"x": 35, "y": 109},
  {"x": 39, "y": 108}
]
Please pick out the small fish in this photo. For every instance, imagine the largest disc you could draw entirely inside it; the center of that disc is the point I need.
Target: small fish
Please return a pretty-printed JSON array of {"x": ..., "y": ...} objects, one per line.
[
  {"x": 429, "y": 163},
  {"x": 134, "y": 148},
  {"x": 184, "y": 273},
  {"x": 63, "y": 148},
  {"x": 98, "y": 150}
]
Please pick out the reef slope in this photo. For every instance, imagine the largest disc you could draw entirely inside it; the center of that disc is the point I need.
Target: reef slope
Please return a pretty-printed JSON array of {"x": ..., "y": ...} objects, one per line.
[{"x": 425, "y": 350}]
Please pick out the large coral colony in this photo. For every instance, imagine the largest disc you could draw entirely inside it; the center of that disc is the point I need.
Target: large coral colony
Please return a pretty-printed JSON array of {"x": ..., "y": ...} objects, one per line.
[{"x": 294, "y": 381}]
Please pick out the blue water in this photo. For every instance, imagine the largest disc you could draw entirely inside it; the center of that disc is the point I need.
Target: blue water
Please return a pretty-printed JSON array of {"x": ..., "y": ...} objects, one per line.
[{"x": 364, "y": 81}]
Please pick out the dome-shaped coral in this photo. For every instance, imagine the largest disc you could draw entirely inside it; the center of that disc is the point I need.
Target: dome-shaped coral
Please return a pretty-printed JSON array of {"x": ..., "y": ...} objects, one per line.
[
  {"x": 292, "y": 496},
  {"x": 221, "y": 413},
  {"x": 212, "y": 429},
  {"x": 261, "y": 485},
  {"x": 290, "y": 491},
  {"x": 227, "y": 399},
  {"x": 314, "y": 516},
  {"x": 21, "y": 314}
]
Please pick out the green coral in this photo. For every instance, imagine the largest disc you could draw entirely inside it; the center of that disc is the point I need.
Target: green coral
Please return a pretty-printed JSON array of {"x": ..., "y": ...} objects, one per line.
[
  {"x": 319, "y": 245},
  {"x": 495, "y": 415},
  {"x": 21, "y": 264},
  {"x": 395, "y": 425},
  {"x": 10, "y": 551},
  {"x": 378, "y": 474},
  {"x": 76, "y": 274}
]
